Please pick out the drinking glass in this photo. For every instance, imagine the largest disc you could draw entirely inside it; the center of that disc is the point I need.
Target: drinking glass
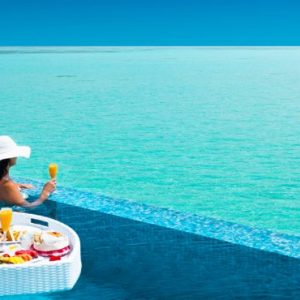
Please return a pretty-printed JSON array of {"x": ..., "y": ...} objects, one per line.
[
  {"x": 5, "y": 218},
  {"x": 53, "y": 168}
]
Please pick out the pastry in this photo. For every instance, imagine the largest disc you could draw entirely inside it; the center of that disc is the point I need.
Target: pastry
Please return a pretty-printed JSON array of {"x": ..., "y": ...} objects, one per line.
[{"x": 49, "y": 243}]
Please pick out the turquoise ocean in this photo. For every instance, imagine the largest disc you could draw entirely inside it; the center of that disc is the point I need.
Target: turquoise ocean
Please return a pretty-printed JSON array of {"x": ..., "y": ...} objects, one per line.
[{"x": 212, "y": 131}]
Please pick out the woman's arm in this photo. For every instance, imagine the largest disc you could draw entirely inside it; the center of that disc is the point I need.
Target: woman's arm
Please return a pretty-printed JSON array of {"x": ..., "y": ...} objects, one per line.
[
  {"x": 12, "y": 194},
  {"x": 25, "y": 186}
]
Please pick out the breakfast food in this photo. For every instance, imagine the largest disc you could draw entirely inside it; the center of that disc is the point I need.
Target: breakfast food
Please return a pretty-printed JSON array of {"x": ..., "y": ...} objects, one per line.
[
  {"x": 2, "y": 237},
  {"x": 12, "y": 235},
  {"x": 18, "y": 234},
  {"x": 21, "y": 246},
  {"x": 51, "y": 243},
  {"x": 11, "y": 259},
  {"x": 32, "y": 253},
  {"x": 18, "y": 257}
]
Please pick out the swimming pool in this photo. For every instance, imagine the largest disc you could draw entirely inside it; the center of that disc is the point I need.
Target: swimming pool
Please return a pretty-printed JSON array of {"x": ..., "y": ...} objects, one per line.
[
  {"x": 132, "y": 251},
  {"x": 212, "y": 131}
]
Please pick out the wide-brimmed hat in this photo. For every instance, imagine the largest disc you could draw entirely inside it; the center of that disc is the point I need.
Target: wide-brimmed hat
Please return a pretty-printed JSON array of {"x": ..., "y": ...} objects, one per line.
[{"x": 9, "y": 149}]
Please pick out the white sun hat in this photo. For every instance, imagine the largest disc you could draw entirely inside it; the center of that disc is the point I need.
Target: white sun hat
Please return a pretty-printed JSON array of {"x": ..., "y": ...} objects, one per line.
[{"x": 9, "y": 149}]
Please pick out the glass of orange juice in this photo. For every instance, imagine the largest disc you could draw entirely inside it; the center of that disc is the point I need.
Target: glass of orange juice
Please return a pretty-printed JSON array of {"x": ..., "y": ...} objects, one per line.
[
  {"x": 53, "y": 168},
  {"x": 5, "y": 218}
]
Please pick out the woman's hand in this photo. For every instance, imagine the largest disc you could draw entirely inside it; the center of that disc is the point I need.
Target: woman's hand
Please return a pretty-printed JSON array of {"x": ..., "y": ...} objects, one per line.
[
  {"x": 25, "y": 186},
  {"x": 48, "y": 188}
]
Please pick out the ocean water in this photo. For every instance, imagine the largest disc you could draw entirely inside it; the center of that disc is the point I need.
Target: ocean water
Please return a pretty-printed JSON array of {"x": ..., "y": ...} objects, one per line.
[{"x": 213, "y": 131}]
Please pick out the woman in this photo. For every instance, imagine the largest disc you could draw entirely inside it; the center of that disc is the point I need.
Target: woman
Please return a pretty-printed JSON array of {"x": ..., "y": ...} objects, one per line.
[{"x": 9, "y": 190}]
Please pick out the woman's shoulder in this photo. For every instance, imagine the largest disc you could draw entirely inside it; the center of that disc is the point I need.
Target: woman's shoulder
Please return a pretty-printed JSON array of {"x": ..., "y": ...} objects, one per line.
[
  {"x": 7, "y": 184},
  {"x": 8, "y": 192}
]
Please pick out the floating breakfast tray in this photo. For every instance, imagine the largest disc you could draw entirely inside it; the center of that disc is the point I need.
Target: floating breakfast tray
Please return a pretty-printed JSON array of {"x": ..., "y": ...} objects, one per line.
[{"x": 42, "y": 275}]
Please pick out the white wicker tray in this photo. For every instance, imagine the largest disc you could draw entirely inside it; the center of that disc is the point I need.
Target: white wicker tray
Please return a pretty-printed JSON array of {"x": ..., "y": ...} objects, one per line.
[{"x": 42, "y": 276}]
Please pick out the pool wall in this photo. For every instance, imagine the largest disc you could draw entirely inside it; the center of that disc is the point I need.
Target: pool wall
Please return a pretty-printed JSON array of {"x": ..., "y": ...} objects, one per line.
[{"x": 156, "y": 261}]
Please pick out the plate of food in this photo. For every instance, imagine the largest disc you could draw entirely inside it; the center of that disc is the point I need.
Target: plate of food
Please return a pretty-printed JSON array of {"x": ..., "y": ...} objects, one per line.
[{"x": 32, "y": 243}]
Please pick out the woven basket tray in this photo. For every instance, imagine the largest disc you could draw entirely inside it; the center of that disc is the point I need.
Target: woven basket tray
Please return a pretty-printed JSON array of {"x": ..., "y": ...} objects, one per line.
[{"x": 43, "y": 276}]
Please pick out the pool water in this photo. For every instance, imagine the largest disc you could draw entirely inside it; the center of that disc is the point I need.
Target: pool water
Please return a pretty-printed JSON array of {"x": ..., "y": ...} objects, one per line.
[
  {"x": 132, "y": 251},
  {"x": 212, "y": 131}
]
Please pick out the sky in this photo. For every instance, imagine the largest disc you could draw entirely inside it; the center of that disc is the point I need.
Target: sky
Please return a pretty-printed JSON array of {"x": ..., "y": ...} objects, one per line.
[{"x": 149, "y": 22}]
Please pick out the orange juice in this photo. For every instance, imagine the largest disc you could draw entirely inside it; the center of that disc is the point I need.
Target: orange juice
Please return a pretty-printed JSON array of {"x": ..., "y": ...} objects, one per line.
[
  {"x": 53, "y": 170},
  {"x": 6, "y": 218}
]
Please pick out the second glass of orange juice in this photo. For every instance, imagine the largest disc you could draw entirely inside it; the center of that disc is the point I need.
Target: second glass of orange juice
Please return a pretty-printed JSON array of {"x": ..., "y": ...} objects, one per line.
[{"x": 5, "y": 218}]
